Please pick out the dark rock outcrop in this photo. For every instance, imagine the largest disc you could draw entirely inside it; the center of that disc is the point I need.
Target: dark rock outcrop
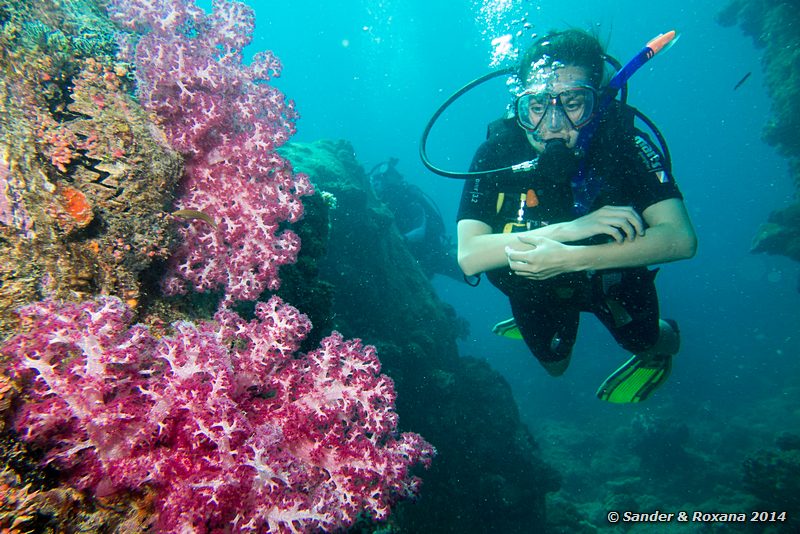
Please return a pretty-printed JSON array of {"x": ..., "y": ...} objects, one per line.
[{"x": 487, "y": 476}]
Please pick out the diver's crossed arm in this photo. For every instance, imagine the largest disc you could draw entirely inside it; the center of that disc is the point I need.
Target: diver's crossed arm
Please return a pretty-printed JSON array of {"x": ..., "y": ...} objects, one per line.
[
  {"x": 541, "y": 253},
  {"x": 669, "y": 237},
  {"x": 480, "y": 250}
]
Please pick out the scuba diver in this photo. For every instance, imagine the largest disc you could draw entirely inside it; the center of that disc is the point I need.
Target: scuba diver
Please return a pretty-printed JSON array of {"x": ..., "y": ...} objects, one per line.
[
  {"x": 577, "y": 224},
  {"x": 418, "y": 219}
]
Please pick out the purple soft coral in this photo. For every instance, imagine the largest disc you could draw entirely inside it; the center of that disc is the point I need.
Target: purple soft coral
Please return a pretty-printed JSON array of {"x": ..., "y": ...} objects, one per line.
[
  {"x": 227, "y": 120},
  {"x": 223, "y": 420}
]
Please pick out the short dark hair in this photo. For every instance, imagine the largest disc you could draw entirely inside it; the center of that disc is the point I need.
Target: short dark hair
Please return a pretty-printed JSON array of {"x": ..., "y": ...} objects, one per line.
[{"x": 570, "y": 47}]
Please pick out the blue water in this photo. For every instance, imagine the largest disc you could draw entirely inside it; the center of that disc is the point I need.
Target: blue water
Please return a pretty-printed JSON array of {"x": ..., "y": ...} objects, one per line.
[{"x": 372, "y": 72}]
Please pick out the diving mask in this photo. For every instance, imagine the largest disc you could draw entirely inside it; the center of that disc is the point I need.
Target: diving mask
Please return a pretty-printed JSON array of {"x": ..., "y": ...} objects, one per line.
[{"x": 573, "y": 107}]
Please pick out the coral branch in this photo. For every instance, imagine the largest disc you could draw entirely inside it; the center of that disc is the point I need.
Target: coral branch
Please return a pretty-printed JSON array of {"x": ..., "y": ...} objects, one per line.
[{"x": 227, "y": 121}]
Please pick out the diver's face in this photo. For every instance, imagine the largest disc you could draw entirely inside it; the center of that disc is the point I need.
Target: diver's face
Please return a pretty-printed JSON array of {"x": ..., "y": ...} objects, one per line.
[{"x": 557, "y": 127}]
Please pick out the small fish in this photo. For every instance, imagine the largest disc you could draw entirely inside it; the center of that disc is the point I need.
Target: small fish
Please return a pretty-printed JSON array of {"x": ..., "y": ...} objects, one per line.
[
  {"x": 195, "y": 214},
  {"x": 744, "y": 79}
]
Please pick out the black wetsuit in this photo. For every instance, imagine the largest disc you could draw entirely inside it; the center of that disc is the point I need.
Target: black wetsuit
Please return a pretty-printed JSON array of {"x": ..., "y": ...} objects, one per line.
[{"x": 630, "y": 172}]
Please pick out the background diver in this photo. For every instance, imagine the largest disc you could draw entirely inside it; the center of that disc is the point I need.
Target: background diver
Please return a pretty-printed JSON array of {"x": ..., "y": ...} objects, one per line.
[{"x": 418, "y": 219}]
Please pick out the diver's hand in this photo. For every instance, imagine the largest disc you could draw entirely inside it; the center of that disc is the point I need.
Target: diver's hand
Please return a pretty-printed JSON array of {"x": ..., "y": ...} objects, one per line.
[
  {"x": 546, "y": 259},
  {"x": 619, "y": 222}
]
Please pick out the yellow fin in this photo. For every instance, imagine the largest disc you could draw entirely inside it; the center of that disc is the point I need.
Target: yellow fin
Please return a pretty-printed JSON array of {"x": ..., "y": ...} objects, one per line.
[{"x": 507, "y": 328}]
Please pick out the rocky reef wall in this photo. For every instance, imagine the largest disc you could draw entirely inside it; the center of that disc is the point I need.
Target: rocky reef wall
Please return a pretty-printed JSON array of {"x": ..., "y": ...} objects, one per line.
[
  {"x": 85, "y": 176},
  {"x": 774, "y": 27}
]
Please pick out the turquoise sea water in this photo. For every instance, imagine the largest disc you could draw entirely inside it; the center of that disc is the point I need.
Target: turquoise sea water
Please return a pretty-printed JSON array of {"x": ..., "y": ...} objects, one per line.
[{"x": 372, "y": 72}]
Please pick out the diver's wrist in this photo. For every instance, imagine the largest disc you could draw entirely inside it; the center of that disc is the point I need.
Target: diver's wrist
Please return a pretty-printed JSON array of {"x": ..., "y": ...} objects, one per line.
[
  {"x": 581, "y": 257},
  {"x": 559, "y": 232}
]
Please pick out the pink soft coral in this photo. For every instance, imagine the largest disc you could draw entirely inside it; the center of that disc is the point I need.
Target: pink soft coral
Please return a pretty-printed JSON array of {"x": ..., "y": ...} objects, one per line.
[
  {"x": 227, "y": 120},
  {"x": 224, "y": 420}
]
